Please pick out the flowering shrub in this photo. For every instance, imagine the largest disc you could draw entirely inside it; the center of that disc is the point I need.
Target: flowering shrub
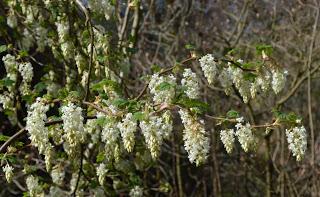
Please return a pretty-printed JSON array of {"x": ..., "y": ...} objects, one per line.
[{"x": 92, "y": 128}]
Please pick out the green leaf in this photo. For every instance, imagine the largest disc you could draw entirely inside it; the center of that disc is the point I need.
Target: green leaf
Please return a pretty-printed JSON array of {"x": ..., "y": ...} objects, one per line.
[
  {"x": 139, "y": 116},
  {"x": 268, "y": 49},
  {"x": 249, "y": 77},
  {"x": 189, "y": 46},
  {"x": 164, "y": 86},
  {"x": 120, "y": 103},
  {"x": 233, "y": 114},
  {"x": 39, "y": 87},
  {"x": 6, "y": 82},
  {"x": 3, "y": 48},
  {"x": 193, "y": 103},
  {"x": 106, "y": 82},
  {"x": 4, "y": 138},
  {"x": 100, "y": 157}
]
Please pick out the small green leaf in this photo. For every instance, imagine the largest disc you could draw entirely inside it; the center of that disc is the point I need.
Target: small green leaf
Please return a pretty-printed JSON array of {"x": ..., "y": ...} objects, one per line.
[
  {"x": 164, "y": 86},
  {"x": 232, "y": 114},
  {"x": 189, "y": 46},
  {"x": 249, "y": 77},
  {"x": 6, "y": 82},
  {"x": 268, "y": 49},
  {"x": 155, "y": 68},
  {"x": 120, "y": 103},
  {"x": 39, "y": 87},
  {"x": 100, "y": 157},
  {"x": 3, "y": 48},
  {"x": 139, "y": 116}
]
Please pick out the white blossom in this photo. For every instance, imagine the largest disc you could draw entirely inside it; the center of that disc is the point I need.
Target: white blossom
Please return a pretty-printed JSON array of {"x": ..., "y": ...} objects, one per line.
[
  {"x": 33, "y": 186},
  {"x": 278, "y": 80},
  {"x": 245, "y": 136},
  {"x": 110, "y": 136},
  {"x": 191, "y": 83},
  {"x": 154, "y": 130},
  {"x": 58, "y": 174},
  {"x": 227, "y": 138},
  {"x": 297, "y": 140},
  {"x": 8, "y": 170},
  {"x": 73, "y": 128},
  {"x": 162, "y": 94},
  {"x": 195, "y": 140},
  {"x": 127, "y": 128},
  {"x": 136, "y": 191},
  {"x": 209, "y": 67},
  {"x": 26, "y": 71},
  {"x": 36, "y": 126},
  {"x": 101, "y": 172}
]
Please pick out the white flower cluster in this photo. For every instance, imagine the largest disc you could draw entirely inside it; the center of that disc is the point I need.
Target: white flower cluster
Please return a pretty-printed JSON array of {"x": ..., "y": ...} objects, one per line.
[
  {"x": 278, "y": 80},
  {"x": 127, "y": 128},
  {"x": 162, "y": 94},
  {"x": 232, "y": 74},
  {"x": 154, "y": 130},
  {"x": 136, "y": 191},
  {"x": 73, "y": 128},
  {"x": 110, "y": 136},
  {"x": 227, "y": 138},
  {"x": 26, "y": 71},
  {"x": 195, "y": 140},
  {"x": 297, "y": 140},
  {"x": 101, "y": 172},
  {"x": 11, "y": 67},
  {"x": 66, "y": 45},
  {"x": 36, "y": 126},
  {"x": 209, "y": 67},
  {"x": 58, "y": 174},
  {"x": 8, "y": 170},
  {"x": 6, "y": 99},
  {"x": 245, "y": 135},
  {"x": 191, "y": 83},
  {"x": 33, "y": 186}
]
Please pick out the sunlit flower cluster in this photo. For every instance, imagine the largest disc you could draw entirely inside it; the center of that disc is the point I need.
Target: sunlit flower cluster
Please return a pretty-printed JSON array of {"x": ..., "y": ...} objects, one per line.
[
  {"x": 297, "y": 140},
  {"x": 127, "y": 128},
  {"x": 247, "y": 82},
  {"x": 8, "y": 171},
  {"x": 195, "y": 140},
  {"x": 209, "y": 67},
  {"x": 227, "y": 138},
  {"x": 137, "y": 191},
  {"x": 154, "y": 130},
  {"x": 245, "y": 135},
  {"x": 33, "y": 186},
  {"x": 36, "y": 126},
  {"x": 73, "y": 128},
  {"x": 101, "y": 172},
  {"x": 111, "y": 136},
  {"x": 190, "y": 82},
  {"x": 26, "y": 71},
  {"x": 162, "y": 88}
]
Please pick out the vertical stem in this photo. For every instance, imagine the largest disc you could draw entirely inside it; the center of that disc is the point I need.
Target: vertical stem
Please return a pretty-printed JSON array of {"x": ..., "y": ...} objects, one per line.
[
  {"x": 179, "y": 173},
  {"x": 313, "y": 191},
  {"x": 268, "y": 167}
]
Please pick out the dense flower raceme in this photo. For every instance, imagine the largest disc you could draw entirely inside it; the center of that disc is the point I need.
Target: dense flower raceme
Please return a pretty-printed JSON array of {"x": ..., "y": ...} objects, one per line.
[
  {"x": 8, "y": 170},
  {"x": 245, "y": 135},
  {"x": 127, "y": 128},
  {"x": 227, "y": 138},
  {"x": 154, "y": 130},
  {"x": 232, "y": 74},
  {"x": 26, "y": 71},
  {"x": 73, "y": 128},
  {"x": 110, "y": 135},
  {"x": 160, "y": 94},
  {"x": 35, "y": 125},
  {"x": 190, "y": 82},
  {"x": 33, "y": 186},
  {"x": 195, "y": 140},
  {"x": 297, "y": 140},
  {"x": 136, "y": 192}
]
